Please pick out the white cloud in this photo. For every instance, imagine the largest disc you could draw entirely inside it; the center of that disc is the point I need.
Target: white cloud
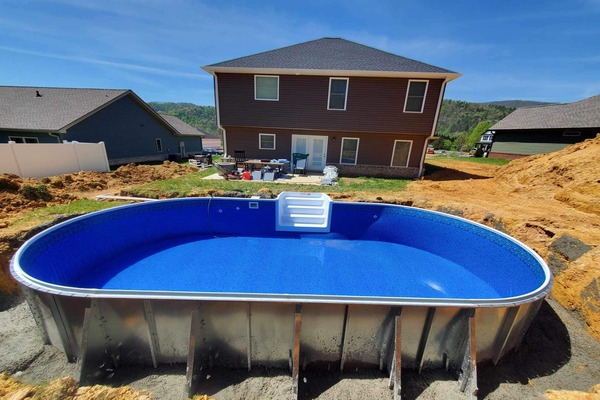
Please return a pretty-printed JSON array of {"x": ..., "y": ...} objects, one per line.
[{"x": 118, "y": 65}]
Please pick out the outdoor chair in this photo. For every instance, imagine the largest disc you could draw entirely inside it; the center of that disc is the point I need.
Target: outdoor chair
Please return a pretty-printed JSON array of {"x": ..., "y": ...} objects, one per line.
[
  {"x": 240, "y": 158},
  {"x": 299, "y": 163}
]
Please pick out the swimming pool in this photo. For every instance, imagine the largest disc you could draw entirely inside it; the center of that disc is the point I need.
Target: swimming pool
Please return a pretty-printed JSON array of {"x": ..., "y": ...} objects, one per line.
[{"x": 332, "y": 284}]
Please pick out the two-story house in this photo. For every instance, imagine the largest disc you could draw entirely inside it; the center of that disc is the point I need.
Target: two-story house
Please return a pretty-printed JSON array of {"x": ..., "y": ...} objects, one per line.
[{"x": 366, "y": 111}]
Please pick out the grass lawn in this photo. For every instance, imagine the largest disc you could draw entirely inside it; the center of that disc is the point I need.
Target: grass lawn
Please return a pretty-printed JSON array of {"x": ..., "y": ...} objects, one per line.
[
  {"x": 477, "y": 160},
  {"x": 194, "y": 185},
  {"x": 45, "y": 214}
]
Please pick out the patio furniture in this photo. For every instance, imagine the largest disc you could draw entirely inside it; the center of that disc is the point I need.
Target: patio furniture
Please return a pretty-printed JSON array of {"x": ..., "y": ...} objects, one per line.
[
  {"x": 299, "y": 163},
  {"x": 240, "y": 157}
]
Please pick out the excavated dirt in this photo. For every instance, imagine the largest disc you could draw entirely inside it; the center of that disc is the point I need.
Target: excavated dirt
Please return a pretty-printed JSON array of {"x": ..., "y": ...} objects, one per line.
[{"x": 550, "y": 202}]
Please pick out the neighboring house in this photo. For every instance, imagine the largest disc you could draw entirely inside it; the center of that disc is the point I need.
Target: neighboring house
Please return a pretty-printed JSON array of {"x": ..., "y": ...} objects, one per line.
[
  {"x": 209, "y": 142},
  {"x": 129, "y": 128},
  {"x": 364, "y": 110},
  {"x": 537, "y": 130}
]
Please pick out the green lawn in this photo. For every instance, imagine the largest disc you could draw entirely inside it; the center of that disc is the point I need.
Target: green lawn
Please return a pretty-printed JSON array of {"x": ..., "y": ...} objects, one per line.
[
  {"x": 42, "y": 215},
  {"x": 478, "y": 160},
  {"x": 194, "y": 185}
]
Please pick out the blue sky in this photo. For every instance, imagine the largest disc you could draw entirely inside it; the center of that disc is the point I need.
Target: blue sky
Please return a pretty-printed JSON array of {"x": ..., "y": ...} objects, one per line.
[{"x": 529, "y": 50}]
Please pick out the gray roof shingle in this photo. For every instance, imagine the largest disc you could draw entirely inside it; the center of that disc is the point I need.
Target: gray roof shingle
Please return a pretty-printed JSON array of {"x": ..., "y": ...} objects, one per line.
[
  {"x": 330, "y": 54},
  {"x": 580, "y": 114},
  {"x": 183, "y": 128},
  {"x": 21, "y": 108}
]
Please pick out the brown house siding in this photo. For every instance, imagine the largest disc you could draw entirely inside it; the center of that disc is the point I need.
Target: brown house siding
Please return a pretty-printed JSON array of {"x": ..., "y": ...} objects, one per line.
[
  {"x": 373, "y": 105},
  {"x": 375, "y": 149}
]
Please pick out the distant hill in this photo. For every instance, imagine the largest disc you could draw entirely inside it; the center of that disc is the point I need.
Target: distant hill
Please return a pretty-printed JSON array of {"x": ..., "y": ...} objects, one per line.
[
  {"x": 518, "y": 103},
  {"x": 201, "y": 117},
  {"x": 459, "y": 116}
]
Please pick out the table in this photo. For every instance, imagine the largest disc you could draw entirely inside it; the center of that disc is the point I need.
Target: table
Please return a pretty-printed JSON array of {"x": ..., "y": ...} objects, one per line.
[{"x": 251, "y": 165}]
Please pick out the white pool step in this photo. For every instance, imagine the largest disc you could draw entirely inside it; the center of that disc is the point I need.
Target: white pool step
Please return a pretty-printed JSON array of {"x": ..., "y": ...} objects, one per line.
[{"x": 305, "y": 212}]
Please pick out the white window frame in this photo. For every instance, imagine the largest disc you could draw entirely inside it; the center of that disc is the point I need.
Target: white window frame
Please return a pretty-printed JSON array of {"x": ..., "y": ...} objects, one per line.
[
  {"x": 260, "y": 135},
  {"x": 266, "y": 76},
  {"x": 23, "y": 138},
  {"x": 394, "y": 153},
  {"x": 158, "y": 144},
  {"x": 355, "y": 155},
  {"x": 345, "y": 94},
  {"x": 424, "y": 95}
]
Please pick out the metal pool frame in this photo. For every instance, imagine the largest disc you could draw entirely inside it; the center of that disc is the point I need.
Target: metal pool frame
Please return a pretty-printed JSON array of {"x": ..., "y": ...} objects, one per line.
[{"x": 102, "y": 330}]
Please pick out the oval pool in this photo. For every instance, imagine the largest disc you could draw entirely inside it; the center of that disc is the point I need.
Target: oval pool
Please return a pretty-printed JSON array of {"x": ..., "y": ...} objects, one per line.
[{"x": 358, "y": 262}]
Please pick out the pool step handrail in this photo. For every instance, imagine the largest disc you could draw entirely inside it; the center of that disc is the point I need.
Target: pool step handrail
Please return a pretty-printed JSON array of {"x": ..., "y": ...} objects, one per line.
[{"x": 303, "y": 212}]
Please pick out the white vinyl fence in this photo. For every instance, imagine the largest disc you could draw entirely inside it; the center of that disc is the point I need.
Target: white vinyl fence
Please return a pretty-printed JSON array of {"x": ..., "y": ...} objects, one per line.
[{"x": 38, "y": 160}]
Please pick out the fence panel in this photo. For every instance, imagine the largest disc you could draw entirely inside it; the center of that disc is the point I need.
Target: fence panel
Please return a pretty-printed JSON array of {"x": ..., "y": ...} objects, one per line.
[{"x": 37, "y": 160}]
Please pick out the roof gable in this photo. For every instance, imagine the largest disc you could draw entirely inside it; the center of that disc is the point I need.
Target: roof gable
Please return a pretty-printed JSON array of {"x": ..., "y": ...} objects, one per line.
[
  {"x": 580, "y": 114},
  {"x": 330, "y": 54},
  {"x": 50, "y": 109},
  {"x": 181, "y": 127}
]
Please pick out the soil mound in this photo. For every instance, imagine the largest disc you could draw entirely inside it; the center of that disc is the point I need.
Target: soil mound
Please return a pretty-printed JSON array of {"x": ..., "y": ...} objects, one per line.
[
  {"x": 25, "y": 194},
  {"x": 573, "y": 174}
]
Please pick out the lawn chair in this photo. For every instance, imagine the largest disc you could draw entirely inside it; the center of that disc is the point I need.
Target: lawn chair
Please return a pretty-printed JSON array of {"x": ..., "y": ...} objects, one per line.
[
  {"x": 299, "y": 163},
  {"x": 240, "y": 158}
]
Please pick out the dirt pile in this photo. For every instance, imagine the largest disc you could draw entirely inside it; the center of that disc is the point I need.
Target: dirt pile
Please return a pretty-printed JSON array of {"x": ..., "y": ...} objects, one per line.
[
  {"x": 66, "y": 389},
  {"x": 550, "y": 202},
  {"x": 593, "y": 394},
  {"x": 26, "y": 194},
  {"x": 572, "y": 175},
  {"x": 18, "y": 195}
]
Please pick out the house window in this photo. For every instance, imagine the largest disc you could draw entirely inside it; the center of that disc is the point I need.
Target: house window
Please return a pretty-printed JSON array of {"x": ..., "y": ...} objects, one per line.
[
  {"x": 22, "y": 139},
  {"x": 349, "y": 152},
  {"x": 401, "y": 153},
  {"x": 266, "y": 141},
  {"x": 159, "y": 145},
  {"x": 266, "y": 87},
  {"x": 415, "y": 96},
  {"x": 571, "y": 133},
  {"x": 338, "y": 93}
]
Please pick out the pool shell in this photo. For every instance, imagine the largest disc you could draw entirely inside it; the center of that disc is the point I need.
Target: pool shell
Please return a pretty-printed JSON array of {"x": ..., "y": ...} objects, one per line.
[{"x": 245, "y": 329}]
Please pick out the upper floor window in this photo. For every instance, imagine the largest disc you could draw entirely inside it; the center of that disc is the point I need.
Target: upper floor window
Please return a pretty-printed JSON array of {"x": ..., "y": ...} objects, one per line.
[
  {"x": 415, "y": 96},
  {"x": 338, "y": 93},
  {"x": 22, "y": 139},
  {"x": 266, "y": 87},
  {"x": 349, "y": 151},
  {"x": 266, "y": 141}
]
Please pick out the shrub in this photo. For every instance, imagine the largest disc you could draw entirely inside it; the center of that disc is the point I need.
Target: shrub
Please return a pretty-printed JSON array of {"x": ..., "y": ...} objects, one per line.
[{"x": 39, "y": 192}]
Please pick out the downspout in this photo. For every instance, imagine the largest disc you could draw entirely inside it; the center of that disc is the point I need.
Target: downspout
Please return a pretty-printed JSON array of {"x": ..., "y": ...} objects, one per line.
[
  {"x": 435, "y": 122},
  {"x": 56, "y": 136},
  {"x": 216, "y": 80}
]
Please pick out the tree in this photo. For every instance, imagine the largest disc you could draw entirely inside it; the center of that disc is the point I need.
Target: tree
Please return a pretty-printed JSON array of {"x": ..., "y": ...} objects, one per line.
[{"x": 476, "y": 133}]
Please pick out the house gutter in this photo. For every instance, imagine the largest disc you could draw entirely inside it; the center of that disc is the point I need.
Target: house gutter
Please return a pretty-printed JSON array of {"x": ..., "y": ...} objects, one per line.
[
  {"x": 56, "y": 136},
  {"x": 447, "y": 75},
  {"x": 217, "y": 109},
  {"x": 435, "y": 122}
]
